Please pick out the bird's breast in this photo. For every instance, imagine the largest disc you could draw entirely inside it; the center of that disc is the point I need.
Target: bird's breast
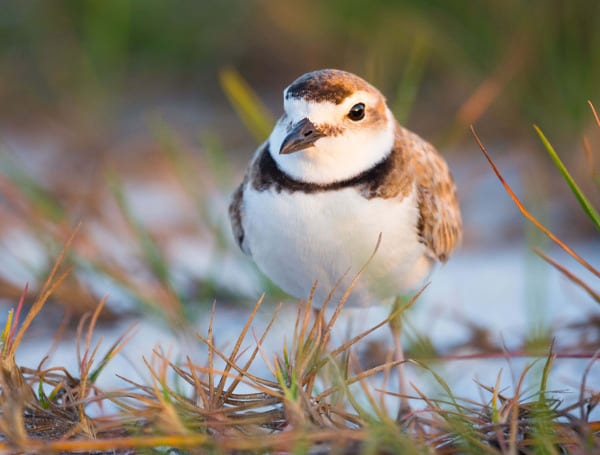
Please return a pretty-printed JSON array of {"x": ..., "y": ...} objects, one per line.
[{"x": 298, "y": 238}]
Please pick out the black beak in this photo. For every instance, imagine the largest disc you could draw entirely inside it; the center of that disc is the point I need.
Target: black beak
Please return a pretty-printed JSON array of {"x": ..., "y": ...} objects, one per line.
[{"x": 302, "y": 136}]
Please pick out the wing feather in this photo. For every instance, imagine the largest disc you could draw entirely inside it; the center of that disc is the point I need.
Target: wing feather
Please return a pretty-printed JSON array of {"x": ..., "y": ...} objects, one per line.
[
  {"x": 236, "y": 209},
  {"x": 440, "y": 224}
]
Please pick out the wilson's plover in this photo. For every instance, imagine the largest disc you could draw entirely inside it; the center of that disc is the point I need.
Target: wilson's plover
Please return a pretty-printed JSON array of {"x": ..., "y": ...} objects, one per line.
[{"x": 337, "y": 172}]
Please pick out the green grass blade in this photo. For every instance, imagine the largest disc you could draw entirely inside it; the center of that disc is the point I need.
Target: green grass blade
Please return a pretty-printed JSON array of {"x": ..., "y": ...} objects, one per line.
[
  {"x": 585, "y": 203},
  {"x": 411, "y": 81},
  {"x": 41, "y": 396},
  {"x": 251, "y": 110},
  {"x": 150, "y": 250},
  {"x": 37, "y": 196},
  {"x": 4, "y": 339}
]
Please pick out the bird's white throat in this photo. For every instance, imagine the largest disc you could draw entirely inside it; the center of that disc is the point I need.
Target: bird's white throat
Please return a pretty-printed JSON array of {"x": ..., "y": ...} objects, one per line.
[{"x": 336, "y": 157}]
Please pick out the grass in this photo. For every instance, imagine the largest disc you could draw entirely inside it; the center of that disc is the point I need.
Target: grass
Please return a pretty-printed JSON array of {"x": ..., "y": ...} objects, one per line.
[
  {"x": 289, "y": 413},
  {"x": 102, "y": 51},
  {"x": 317, "y": 397}
]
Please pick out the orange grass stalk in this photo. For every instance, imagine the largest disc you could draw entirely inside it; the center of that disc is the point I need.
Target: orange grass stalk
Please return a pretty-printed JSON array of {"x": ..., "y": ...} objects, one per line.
[{"x": 526, "y": 213}]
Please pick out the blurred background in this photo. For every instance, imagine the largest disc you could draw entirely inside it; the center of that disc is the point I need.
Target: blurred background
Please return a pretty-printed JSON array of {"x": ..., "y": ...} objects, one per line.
[{"x": 113, "y": 113}]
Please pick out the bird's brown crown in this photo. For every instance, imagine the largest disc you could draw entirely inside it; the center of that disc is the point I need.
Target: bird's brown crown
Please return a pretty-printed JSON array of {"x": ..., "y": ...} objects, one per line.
[{"x": 329, "y": 85}]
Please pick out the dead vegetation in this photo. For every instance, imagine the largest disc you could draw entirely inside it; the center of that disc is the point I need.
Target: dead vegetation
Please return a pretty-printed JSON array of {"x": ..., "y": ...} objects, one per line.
[
  {"x": 318, "y": 398},
  {"x": 308, "y": 405}
]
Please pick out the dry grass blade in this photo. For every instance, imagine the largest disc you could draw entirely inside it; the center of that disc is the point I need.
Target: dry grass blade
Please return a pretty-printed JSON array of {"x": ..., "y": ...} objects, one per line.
[
  {"x": 591, "y": 165},
  {"x": 113, "y": 350},
  {"x": 360, "y": 377},
  {"x": 168, "y": 417},
  {"x": 86, "y": 361},
  {"x": 237, "y": 346},
  {"x": 303, "y": 316},
  {"x": 305, "y": 308},
  {"x": 306, "y": 363},
  {"x": 513, "y": 406},
  {"x": 460, "y": 431},
  {"x": 110, "y": 445},
  {"x": 595, "y": 113},
  {"x": 232, "y": 406},
  {"x": 493, "y": 86},
  {"x": 89, "y": 354},
  {"x": 220, "y": 403},
  {"x": 526, "y": 213},
  {"x": 278, "y": 443},
  {"x": 578, "y": 281},
  {"x": 510, "y": 354},
  {"x": 250, "y": 360},
  {"x": 379, "y": 409},
  {"x": 586, "y": 410},
  {"x": 211, "y": 360},
  {"x": 345, "y": 346},
  {"x": 234, "y": 366},
  {"x": 309, "y": 346},
  {"x": 61, "y": 413},
  {"x": 200, "y": 388},
  {"x": 52, "y": 282},
  {"x": 348, "y": 291}
]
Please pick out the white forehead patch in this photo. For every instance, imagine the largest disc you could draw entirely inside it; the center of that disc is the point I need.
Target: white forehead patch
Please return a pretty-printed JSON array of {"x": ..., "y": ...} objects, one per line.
[{"x": 324, "y": 111}]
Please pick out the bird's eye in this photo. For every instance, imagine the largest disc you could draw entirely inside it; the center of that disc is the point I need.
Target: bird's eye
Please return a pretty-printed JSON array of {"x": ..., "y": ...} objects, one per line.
[{"x": 357, "y": 112}]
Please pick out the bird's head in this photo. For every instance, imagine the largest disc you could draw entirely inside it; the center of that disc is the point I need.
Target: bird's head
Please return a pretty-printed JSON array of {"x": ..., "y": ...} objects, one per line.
[{"x": 335, "y": 126}]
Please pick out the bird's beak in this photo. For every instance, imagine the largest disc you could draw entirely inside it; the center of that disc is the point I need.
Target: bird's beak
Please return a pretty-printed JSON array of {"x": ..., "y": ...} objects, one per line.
[{"x": 302, "y": 136}]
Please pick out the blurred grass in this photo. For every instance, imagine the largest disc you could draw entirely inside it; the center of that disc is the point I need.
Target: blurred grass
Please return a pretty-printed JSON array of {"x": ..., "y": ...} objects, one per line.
[
  {"x": 310, "y": 406},
  {"x": 319, "y": 396},
  {"x": 92, "y": 52},
  {"x": 532, "y": 61},
  {"x": 253, "y": 113},
  {"x": 588, "y": 209}
]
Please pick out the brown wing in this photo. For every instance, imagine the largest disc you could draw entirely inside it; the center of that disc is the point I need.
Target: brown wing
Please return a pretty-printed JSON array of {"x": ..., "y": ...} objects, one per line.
[
  {"x": 440, "y": 224},
  {"x": 235, "y": 216}
]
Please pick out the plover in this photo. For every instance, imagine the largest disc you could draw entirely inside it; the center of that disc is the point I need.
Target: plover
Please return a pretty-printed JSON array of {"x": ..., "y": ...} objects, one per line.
[{"x": 337, "y": 173}]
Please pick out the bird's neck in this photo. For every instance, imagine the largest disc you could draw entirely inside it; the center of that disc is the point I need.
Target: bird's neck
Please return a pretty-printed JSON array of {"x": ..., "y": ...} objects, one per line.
[{"x": 338, "y": 158}]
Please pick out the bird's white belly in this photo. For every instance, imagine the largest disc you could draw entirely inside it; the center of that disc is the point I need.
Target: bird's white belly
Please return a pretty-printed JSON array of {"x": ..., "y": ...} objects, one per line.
[{"x": 298, "y": 238}]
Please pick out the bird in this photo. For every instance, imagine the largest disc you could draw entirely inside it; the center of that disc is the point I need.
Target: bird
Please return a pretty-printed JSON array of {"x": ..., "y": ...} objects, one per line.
[
  {"x": 339, "y": 183},
  {"x": 337, "y": 173}
]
